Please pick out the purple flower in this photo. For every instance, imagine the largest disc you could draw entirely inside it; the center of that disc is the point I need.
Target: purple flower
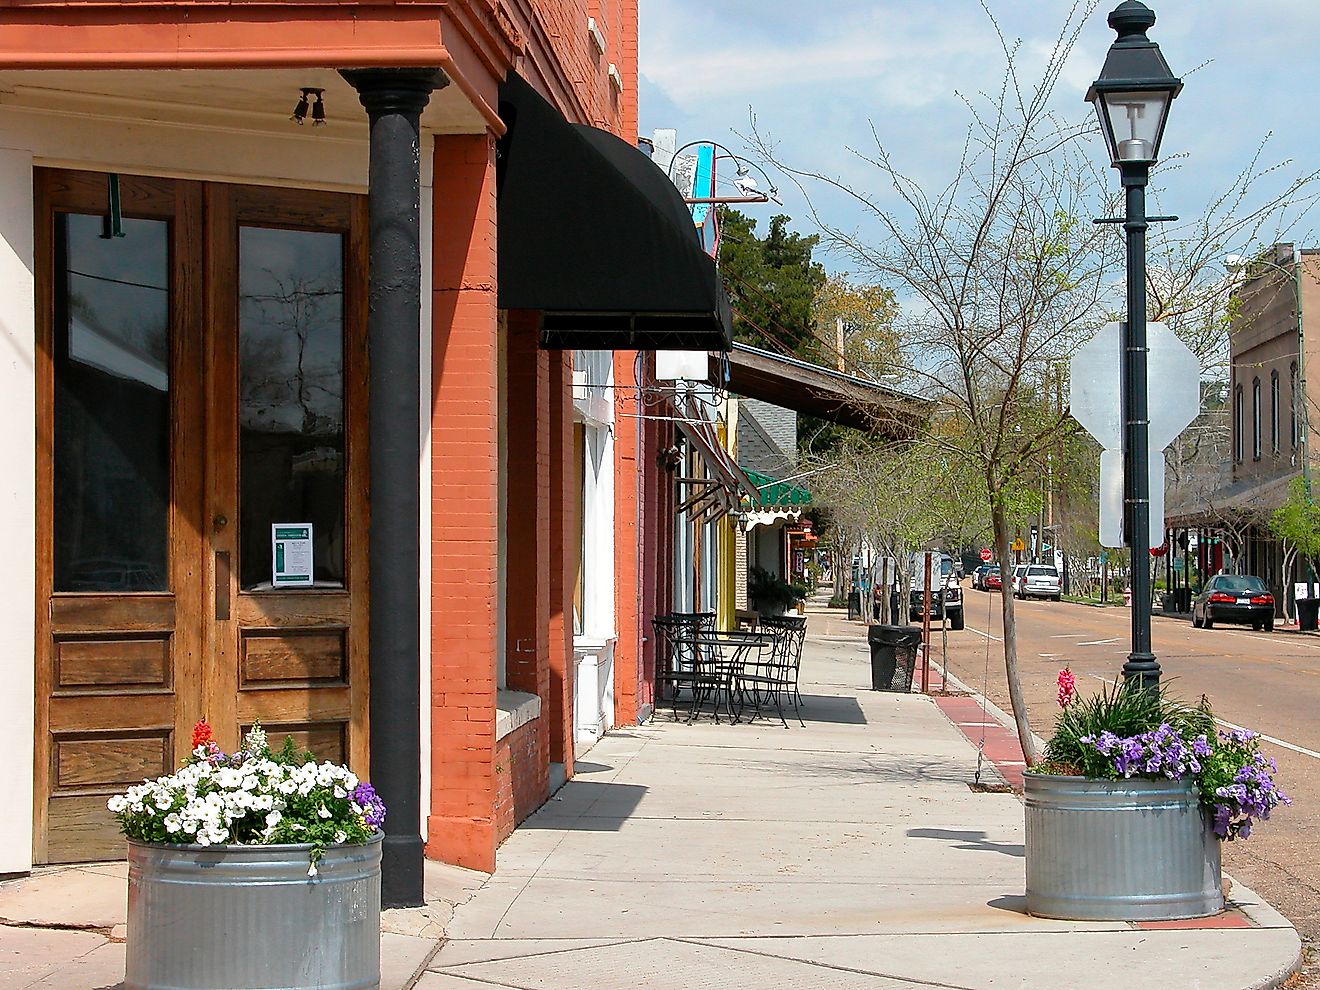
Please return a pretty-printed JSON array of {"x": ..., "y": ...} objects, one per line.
[{"x": 373, "y": 808}]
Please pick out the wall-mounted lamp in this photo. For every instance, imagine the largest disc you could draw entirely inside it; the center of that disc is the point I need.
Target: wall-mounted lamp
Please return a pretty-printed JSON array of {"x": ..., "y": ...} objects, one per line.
[{"x": 304, "y": 105}]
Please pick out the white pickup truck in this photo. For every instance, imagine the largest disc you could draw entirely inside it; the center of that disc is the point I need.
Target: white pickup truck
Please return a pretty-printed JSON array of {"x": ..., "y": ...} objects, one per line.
[{"x": 946, "y": 592}]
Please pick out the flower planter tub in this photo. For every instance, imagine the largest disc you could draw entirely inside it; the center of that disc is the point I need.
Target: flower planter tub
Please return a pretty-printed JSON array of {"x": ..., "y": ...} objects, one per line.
[
  {"x": 250, "y": 918},
  {"x": 1128, "y": 850}
]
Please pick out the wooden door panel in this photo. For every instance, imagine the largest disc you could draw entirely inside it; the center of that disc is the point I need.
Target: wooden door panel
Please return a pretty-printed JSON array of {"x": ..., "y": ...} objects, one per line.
[
  {"x": 118, "y": 332},
  {"x": 134, "y": 648}
]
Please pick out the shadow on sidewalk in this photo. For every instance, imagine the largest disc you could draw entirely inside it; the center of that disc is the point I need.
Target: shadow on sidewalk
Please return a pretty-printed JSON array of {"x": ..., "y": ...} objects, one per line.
[
  {"x": 588, "y": 806},
  {"x": 975, "y": 841}
]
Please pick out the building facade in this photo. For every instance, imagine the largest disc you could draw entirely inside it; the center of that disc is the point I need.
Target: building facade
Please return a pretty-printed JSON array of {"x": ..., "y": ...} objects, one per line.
[{"x": 429, "y": 563}]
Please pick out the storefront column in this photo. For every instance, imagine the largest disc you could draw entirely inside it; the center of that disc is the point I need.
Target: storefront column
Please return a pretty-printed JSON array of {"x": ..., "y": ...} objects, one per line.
[
  {"x": 627, "y": 555},
  {"x": 394, "y": 100}
]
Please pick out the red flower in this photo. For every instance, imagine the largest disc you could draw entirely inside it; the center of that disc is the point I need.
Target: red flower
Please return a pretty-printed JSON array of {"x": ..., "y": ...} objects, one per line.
[
  {"x": 202, "y": 734},
  {"x": 1067, "y": 687}
]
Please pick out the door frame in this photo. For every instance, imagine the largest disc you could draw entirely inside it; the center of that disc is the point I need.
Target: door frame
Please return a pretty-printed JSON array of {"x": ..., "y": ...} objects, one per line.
[{"x": 203, "y": 309}]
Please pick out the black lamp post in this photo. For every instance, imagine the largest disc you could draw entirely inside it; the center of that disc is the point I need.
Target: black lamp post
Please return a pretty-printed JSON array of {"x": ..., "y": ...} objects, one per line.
[{"x": 1132, "y": 98}]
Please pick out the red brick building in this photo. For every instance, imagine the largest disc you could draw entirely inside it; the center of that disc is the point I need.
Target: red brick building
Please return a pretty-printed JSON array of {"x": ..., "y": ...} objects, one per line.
[{"x": 194, "y": 283}]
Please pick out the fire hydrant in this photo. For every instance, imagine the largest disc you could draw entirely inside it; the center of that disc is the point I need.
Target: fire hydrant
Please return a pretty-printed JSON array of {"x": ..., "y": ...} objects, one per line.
[{"x": 1127, "y": 597}]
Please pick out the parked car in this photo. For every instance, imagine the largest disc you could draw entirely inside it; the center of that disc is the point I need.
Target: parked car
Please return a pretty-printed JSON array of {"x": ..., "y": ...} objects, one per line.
[
  {"x": 1040, "y": 581},
  {"x": 1238, "y": 598},
  {"x": 945, "y": 595},
  {"x": 978, "y": 577},
  {"x": 1019, "y": 571},
  {"x": 993, "y": 580}
]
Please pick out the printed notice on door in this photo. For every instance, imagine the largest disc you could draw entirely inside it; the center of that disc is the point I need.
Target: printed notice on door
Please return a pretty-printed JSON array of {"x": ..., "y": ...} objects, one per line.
[{"x": 291, "y": 555}]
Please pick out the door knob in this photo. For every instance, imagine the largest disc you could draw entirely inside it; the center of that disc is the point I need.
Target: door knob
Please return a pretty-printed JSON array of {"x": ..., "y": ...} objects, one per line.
[{"x": 220, "y": 522}]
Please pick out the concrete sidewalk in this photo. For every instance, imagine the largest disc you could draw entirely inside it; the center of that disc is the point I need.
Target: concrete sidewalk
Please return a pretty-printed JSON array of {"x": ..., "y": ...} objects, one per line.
[{"x": 847, "y": 854}]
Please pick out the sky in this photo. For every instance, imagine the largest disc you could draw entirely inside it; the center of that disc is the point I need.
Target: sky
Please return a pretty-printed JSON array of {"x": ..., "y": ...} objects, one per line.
[{"x": 821, "y": 77}]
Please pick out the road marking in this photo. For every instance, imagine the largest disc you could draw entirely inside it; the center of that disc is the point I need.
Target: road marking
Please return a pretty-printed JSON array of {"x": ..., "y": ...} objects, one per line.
[
  {"x": 1234, "y": 632},
  {"x": 987, "y": 635},
  {"x": 1099, "y": 642},
  {"x": 1232, "y": 725}
]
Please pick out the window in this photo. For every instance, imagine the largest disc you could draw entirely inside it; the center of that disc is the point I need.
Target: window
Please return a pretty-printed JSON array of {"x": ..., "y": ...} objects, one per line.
[
  {"x": 1255, "y": 419},
  {"x": 1292, "y": 402},
  {"x": 1237, "y": 424},
  {"x": 1274, "y": 411}
]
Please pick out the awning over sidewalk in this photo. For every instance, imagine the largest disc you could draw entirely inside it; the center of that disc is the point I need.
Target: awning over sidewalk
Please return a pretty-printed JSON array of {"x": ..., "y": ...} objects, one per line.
[
  {"x": 818, "y": 391},
  {"x": 727, "y": 484},
  {"x": 594, "y": 236},
  {"x": 777, "y": 493}
]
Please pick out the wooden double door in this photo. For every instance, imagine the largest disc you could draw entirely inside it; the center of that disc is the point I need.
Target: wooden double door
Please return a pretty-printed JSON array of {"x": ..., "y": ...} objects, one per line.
[{"x": 202, "y": 482}]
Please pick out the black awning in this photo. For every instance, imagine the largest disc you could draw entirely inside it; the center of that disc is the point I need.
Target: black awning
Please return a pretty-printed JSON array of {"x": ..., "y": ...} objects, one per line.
[{"x": 594, "y": 236}]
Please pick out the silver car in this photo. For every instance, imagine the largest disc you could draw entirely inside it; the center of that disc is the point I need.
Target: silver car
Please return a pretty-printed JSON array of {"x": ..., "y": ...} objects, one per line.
[{"x": 1040, "y": 581}]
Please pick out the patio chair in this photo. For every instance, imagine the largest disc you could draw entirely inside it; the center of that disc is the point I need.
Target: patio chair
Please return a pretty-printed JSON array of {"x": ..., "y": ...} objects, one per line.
[
  {"x": 677, "y": 662},
  {"x": 781, "y": 666}
]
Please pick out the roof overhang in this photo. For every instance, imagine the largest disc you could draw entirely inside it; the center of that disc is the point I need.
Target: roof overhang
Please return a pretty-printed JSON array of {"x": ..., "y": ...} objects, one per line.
[{"x": 818, "y": 391}]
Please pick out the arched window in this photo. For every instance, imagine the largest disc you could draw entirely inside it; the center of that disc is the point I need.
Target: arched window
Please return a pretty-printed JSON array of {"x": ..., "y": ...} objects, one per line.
[
  {"x": 1237, "y": 424},
  {"x": 1255, "y": 419},
  {"x": 1292, "y": 402},
  {"x": 1274, "y": 411}
]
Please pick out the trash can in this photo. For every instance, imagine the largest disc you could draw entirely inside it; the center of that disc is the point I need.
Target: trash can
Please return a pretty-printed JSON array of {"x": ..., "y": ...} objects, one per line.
[
  {"x": 854, "y": 604},
  {"x": 1307, "y": 609},
  {"x": 893, "y": 656},
  {"x": 1182, "y": 598}
]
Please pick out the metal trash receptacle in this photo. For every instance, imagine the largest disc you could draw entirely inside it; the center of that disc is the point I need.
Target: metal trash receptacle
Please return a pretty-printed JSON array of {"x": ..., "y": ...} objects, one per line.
[
  {"x": 854, "y": 604},
  {"x": 1308, "y": 611},
  {"x": 893, "y": 656}
]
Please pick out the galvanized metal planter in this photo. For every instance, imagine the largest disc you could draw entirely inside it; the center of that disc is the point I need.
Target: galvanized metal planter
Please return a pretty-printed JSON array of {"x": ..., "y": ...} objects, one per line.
[
  {"x": 249, "y": 917},
  {"x": 1130, "y": 850}
]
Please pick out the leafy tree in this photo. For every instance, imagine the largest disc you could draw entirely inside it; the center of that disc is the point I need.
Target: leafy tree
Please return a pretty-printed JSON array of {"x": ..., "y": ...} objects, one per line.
[
  {"x": 1297, "y": 524},
  {"x": 772, "y": 283},
  {"x": 870, "y": 338}
]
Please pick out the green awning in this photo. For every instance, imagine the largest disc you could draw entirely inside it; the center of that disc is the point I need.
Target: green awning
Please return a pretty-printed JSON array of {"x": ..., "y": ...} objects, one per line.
[{"x": 778, "y": 494}]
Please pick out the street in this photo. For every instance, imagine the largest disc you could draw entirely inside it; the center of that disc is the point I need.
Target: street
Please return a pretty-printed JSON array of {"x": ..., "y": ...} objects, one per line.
[{"x": 1269, "y": 682}]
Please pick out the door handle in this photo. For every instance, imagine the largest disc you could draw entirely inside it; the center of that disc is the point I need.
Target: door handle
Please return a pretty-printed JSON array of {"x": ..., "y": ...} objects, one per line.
[{"x": 222, "y": 585}]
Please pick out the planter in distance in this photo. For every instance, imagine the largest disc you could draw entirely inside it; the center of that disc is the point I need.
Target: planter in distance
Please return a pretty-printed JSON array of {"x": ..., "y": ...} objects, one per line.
[
  {"x": 250, "y": 918},
  {"x": 1119, "y": 850},
  {"x": 893, "y": 656}
]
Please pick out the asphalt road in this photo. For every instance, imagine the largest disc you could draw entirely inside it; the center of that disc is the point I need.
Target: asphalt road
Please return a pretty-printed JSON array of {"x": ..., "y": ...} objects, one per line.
[{"x": 1269, "y": 682}]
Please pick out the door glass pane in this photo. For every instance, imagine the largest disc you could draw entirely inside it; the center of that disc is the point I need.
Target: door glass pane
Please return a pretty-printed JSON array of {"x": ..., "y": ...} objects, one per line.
[
  {"x": 112, "y": 406},
  {"x": 291, "y": 397}
]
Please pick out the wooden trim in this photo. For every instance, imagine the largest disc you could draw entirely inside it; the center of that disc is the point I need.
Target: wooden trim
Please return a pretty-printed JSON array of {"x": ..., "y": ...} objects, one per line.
[
  {"x": 45, "y": 545},
  {"x": 358, "y": 476}
]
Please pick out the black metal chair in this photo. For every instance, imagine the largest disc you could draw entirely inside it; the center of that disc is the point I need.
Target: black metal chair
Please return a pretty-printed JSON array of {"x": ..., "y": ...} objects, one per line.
[
  {"x": 678, "y": 664},
  {"x": 773, "y": 677}
]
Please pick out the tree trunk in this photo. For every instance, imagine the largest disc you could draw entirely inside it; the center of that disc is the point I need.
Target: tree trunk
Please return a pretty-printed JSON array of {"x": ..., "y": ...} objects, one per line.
[{"x": 1015, "y": 698}]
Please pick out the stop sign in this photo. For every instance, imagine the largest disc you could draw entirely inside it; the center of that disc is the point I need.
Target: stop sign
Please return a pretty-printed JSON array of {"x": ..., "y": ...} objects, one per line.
[{"x": 986, "y": 555}]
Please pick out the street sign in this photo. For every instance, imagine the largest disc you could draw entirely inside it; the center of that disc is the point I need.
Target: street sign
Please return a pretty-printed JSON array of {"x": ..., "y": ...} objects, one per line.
[
  {"x": 1018, "y": 545},
  {"x": 1096, "y": 401},
  {"x": 986, "y": 554}
]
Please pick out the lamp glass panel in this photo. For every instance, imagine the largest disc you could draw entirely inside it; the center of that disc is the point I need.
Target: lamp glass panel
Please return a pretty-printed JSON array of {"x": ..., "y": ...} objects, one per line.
[{"x": 1134, "y": 123}]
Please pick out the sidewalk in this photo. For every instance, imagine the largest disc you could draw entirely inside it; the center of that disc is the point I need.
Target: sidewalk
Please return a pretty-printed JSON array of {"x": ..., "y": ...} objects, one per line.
[{"x": 847, "y": 854}]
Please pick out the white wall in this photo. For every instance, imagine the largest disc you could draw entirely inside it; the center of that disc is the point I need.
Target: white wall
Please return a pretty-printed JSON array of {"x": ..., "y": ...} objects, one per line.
[{"x": 18, "y": 508}]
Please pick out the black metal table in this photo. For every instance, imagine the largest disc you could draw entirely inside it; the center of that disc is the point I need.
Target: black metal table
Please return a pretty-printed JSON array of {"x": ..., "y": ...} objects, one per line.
[{"x": 718, "y": 659}]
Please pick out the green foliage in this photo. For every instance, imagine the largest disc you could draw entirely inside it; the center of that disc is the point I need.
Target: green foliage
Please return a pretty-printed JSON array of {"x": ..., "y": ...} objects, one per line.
[
  {"x": 1125, "y": 710},
  {"x": 1298, "y": 521},
  {"x": 770, "y": 591},
  {"x": 772, "y": 283}
]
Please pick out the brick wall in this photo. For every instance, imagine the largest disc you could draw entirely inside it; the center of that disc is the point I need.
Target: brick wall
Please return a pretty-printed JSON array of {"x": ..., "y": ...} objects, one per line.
[
  {"x": 573, "y": 73},
  {"x": 521, "y": 777},
  {"x": 465, "y": 472}
]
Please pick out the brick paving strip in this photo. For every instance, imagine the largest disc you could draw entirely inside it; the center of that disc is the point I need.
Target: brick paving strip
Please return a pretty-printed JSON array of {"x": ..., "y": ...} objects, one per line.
[{"x": 1002, "y": 749}]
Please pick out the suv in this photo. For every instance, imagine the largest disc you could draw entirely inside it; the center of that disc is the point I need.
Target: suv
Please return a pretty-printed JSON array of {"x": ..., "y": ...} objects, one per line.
[
  {"x": 945, "y": 595},
  {"x": 1040, "y": 581}
]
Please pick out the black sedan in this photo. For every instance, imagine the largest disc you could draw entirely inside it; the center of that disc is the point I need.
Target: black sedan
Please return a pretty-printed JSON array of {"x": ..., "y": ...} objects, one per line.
[{"x": 1238, "y": 598}]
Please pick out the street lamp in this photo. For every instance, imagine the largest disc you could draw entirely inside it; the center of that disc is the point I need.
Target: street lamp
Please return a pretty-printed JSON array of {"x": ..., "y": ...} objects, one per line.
[
  {"x": 749, "y": 190},
  {"x": 1132, "y": 98}
]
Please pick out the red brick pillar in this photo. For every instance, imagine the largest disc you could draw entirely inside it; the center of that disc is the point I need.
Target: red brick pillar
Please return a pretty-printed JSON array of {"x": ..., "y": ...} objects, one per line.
[
  {"x": 565, "y": 536},
  {"x": 464, "y": 509},
  {"x": 523, "y": 759},
  {"x": 627, "y": 556}
]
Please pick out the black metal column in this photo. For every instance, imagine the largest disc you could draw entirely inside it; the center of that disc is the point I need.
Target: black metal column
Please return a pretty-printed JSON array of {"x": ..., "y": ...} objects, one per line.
[
  {"x": 394, "y": 100},
  {"x": 1141, "y": 665}
]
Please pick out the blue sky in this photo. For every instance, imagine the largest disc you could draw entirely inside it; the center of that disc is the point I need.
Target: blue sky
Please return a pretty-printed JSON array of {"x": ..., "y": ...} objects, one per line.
[{"x": 819, "y": 75}]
